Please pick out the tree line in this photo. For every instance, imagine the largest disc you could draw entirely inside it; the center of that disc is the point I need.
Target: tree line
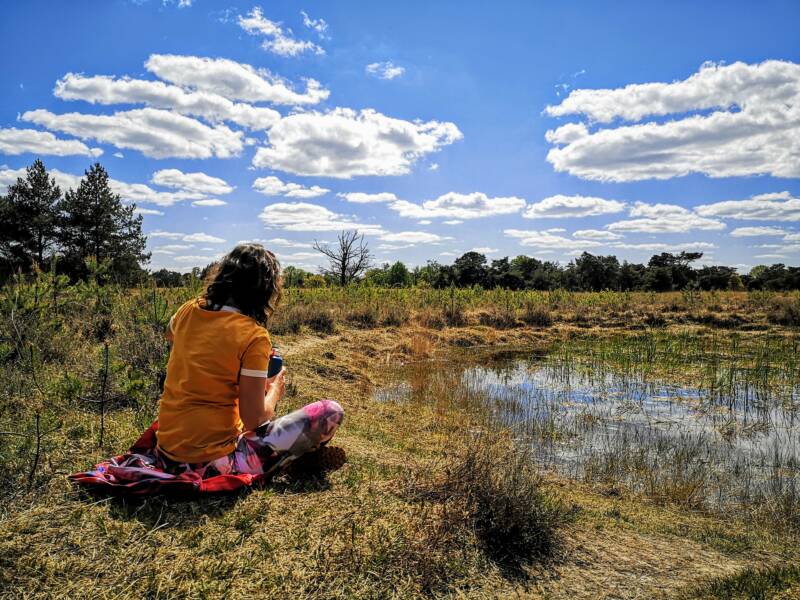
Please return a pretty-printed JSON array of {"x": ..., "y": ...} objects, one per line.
[{"x": 42, "y": 227}]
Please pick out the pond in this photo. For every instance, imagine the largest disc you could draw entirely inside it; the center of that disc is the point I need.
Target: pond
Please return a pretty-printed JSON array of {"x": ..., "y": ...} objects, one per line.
[{"x": 711, "y": 423}]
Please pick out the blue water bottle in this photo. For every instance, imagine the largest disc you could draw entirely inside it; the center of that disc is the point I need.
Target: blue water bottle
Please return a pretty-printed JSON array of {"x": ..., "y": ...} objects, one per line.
[{"x": 275, "y": 363}]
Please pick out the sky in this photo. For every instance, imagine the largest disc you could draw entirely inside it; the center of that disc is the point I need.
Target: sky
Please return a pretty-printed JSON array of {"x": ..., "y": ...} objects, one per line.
[{"x": 434, "y": 128}]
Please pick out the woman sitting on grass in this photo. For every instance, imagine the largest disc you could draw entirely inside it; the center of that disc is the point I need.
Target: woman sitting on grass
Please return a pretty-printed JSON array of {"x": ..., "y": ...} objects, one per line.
[{"x": 217, "y": 412}]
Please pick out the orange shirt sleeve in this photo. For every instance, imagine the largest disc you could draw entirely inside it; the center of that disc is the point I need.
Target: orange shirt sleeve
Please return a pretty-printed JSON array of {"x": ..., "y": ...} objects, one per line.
[{"x": 255, "y": 359}]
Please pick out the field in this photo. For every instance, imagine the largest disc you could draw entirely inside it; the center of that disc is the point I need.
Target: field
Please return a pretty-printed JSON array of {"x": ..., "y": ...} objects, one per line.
[{"x": 529, "y": 444}]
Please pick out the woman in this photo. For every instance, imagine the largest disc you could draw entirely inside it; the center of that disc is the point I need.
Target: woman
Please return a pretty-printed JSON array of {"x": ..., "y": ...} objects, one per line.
[{"x": 217, "y": 412}]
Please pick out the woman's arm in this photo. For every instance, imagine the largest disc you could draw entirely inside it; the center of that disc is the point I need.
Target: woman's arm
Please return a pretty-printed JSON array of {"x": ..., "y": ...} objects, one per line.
[{"x": 258, "y": 398}]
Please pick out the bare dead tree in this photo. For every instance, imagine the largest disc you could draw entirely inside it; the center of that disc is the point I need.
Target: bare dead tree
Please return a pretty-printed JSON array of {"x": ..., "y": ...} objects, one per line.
[{"x": 348, "y": 259}]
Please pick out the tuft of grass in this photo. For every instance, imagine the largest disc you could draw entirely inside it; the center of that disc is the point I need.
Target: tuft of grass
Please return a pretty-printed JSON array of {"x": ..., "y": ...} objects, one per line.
[{"x": 495, "y": 491}]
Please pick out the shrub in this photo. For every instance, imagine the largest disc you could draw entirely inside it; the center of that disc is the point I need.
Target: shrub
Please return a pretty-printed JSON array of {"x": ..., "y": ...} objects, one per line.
[
  {"x": 784, "y": 311},
  {"x": 537, "y": 316},
  {"x": 365, "y": 317}
]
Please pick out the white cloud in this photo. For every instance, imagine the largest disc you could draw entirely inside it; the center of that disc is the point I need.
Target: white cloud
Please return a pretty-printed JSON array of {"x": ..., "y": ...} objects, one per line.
[
  {"x": 774, "y": 256},
  {"x": 452, "y": 222},
  {"x": 191, "y": 182},
  {"x": 757, "y": 231},
  {"x": 542, "y": 239},
  {"x": 278, "y": 40},
  {"x": 155, "y": 133},
  {"x": 186, "y": 237},
  {"x": 209, "y": 202},
  {"x": 203, "y": 237},
  {"x": 18, "y": 141},
  {"x": 485, "y": 250},
  {"x": 288, "y": 243},
  {"x": 560, "y": 206},
  {"x": 414, "y": 237},
  {"x": 364, "y": 198},
  {"x": 176, "y": 247},
  {"x": 344, "y": 143},
  {"x": 303, "y": 216},
  {"x": 318, "y": 25},
  {"x": 433, "y": 167},
  {"x": 102, "y": 89},
  {"x": 661, "y": 247},
  {"x": 781, "y": 206},
  {"x": 664, "y": 218},
  {"x": 119, "y": 155},
  {"x": 454, "y": 205},
  {"x": 148, "y": 211},
  {"x": 384, "y": 70},
  {"x": 753, "y": 127},
  {"x": 273, "y": 186},
  {"x": 196, "y": 260},
  {"x": 593, "y": 234},
  {"x": 233, "y": 80}
]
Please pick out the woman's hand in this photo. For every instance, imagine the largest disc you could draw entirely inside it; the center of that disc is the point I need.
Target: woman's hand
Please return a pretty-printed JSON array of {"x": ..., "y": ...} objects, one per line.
[{"x": 276, "y": 388}]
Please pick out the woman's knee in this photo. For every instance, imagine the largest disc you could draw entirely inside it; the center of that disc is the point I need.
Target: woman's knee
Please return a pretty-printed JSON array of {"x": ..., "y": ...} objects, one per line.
[{"x": 325, "y": 416}]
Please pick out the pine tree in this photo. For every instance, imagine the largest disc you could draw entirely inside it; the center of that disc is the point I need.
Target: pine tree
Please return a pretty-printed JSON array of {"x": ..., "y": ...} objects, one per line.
[
  {"x": 96, "y": 224},
  {"x": 28, "y": 218}
]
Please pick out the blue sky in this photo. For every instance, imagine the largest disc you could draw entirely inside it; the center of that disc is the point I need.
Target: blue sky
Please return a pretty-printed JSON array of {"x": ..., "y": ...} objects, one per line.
[{"x": 534, "y": 128}]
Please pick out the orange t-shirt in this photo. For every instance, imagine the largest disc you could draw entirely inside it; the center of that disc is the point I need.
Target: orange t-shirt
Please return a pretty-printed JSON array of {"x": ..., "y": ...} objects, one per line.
[{"x": 198, "y": 417}]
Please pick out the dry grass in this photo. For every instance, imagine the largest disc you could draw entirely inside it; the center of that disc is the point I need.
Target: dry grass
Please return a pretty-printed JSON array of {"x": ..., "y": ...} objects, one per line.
[{"x": 364, "y": 531}]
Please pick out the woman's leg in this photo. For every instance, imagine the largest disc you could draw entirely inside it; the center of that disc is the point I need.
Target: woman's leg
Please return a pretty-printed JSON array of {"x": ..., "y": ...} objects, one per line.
[{"x": 277, "y": 443}]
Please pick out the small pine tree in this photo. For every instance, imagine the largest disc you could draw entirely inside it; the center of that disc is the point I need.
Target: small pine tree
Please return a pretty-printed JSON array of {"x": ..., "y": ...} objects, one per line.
[
  {"x": 28, "y": 217},
  {"x": 95, "y": 224}
]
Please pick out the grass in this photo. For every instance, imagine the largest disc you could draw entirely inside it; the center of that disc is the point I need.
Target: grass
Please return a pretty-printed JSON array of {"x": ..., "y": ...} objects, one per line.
[
  {"x": 437, "y": 498},
  {"x": 781, "y": 581}
]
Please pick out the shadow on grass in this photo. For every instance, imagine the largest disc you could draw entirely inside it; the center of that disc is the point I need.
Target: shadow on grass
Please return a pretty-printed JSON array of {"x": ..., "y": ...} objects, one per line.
[{"x": 186, "y": 511}]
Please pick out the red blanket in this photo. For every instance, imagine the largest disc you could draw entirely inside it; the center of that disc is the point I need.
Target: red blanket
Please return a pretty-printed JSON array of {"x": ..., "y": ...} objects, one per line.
[{"x": 141, "y": 471}]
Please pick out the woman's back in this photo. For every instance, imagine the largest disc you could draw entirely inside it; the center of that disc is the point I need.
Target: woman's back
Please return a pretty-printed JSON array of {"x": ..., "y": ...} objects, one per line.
[{"x": 199, "y": 409}]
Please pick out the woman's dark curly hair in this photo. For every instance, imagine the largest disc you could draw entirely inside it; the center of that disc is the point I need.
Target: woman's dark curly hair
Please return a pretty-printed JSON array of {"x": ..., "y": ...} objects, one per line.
[{"x": 249, "y": 277}]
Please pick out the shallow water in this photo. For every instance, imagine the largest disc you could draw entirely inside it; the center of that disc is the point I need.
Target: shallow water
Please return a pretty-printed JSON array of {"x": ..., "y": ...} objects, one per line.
[{"x": 592, "y": 420}]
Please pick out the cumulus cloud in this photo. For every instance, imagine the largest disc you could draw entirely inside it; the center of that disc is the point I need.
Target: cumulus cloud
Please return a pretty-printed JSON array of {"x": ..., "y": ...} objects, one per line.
[
  {"x": 209, "y": 202},
  {"x": 414, "y": 237},
  {"x": 592, "y": 234},
  {"x": 364, "y": 198},
  {"x": 19, "y": 141},
  {"x": 192, "y": 182},
  {"x": 277, "y": 39},
  {"x": 186, "y": 237},
  {"x": 303, "y": 216},
  {"x": 781, "y": 206},
  {"x": 153, "y": 132},
  {"x": 453, "y": 205},
  {"x": 664, "y": 218},
  {"x": 662, "y": 247},
  {"x": 344, "y": 143},
  {"x": 542, "y": 239},
  {"x": 103, "y": 89},
  {"x": 484, "y": 250},
  {"x": 753, "y": 127},
  {"x": 559, "y": 206},
  {"x": 233, "y": 80},
  {"x": 384, "y": 70},
  {"x": 286, "y": 243},
  {"x": 273, "y": 186},
  {"x": 148, "y": 211},
  {"x": 757, "y": 231}
]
